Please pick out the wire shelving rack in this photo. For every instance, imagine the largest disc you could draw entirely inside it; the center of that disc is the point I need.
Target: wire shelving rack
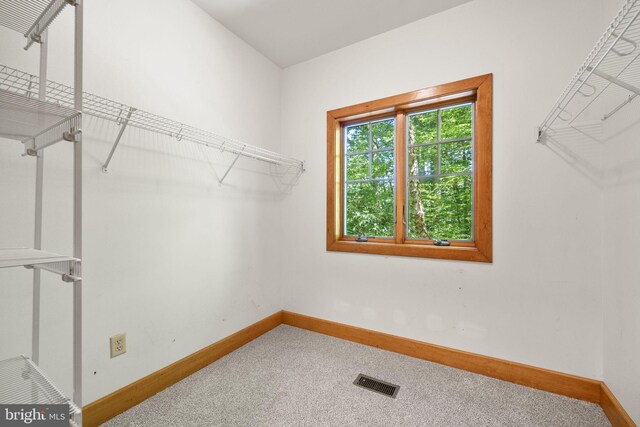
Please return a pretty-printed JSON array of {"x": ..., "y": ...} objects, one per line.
[
  {"x": 22, "y": 382},
  {"x": 607, "y": 81},
  {"x": 36, "y": 123},
  {"x": 31, "y": 17},
  {"x": 39, "y": 124},
  {"x": 69, "y": 268},
  {"x": 26, "y": 84}
]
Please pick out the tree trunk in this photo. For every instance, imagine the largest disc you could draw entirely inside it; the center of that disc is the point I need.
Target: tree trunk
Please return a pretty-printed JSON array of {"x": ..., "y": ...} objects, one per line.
[{"x": 418, "y": 211}]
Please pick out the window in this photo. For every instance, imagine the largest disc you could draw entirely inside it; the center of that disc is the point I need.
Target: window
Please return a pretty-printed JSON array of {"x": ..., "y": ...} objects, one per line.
[{"x": 410, "y": 175}]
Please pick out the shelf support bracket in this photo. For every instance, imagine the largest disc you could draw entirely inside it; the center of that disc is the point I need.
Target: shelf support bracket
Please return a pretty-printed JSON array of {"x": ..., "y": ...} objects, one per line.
[
  {"x": 618, "y": 82},
  {"x": 71, "y": 136},
  {"x": 232, "y": 164},
  {"x": 34, "y": 34},
  {"x": 615, "y": 80},
  {"x": 123, "y": 126},
  {"x": 619, "y": 107}
]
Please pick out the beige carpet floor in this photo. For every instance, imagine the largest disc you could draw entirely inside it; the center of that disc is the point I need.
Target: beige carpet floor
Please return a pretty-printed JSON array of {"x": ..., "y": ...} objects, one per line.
[{"x": 292, "y": 377}]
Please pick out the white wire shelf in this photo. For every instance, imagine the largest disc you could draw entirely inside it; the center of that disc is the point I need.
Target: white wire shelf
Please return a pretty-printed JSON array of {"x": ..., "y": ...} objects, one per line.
[
  {"x": 30, "y": 17},
  {"x": 607, "y": 81},
  {"x": 27, "y": 84},
  {"x": 36, "y": 123},
  {"x": 22, "y": 382},
  {"x": 67, "y": 267}
]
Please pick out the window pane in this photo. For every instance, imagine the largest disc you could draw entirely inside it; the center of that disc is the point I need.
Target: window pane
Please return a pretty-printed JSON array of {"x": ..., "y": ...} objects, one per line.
[
  {"x": 423, "y": 127},
  {"x": 455, "y": 157},
  {"x": 423, "y": 160},
  {"x": 455, "y": 123},
  {"x": 357, "y": 138},
  {"x": 370, "y": 207},
  {"x": 440, "y": 208},
  {"x": 383, "y": 164},
  {"x": 382, "y": 134},
  {"x": 357, "y": 167}
]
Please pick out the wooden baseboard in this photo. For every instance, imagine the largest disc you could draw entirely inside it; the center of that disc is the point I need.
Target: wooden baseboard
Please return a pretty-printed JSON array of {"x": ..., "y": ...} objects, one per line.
[
  {"x": 613, "y": 409},
  {"x": 127, "y": 397},
  {"x": 530, "y": 376},
  {"x": 581, "y": 388}
]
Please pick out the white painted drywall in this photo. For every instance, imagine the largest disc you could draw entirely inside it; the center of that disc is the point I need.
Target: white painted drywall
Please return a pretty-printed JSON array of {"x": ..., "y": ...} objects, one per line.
[
  {"x": 621, "y": 280},
  {"x": 540, "y": 301},
  {"x": 171, "y": 258},
  {"x": 292, "y": 31},
  {"x": 620, "y": 171}
]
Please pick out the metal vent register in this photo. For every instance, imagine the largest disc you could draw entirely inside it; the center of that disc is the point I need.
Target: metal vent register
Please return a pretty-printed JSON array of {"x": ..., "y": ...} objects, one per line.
[{"x": 377, "y": 385}]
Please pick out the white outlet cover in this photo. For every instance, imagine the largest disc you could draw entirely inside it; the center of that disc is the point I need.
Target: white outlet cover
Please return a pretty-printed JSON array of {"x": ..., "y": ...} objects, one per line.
[{"x": 118, "y": 345}]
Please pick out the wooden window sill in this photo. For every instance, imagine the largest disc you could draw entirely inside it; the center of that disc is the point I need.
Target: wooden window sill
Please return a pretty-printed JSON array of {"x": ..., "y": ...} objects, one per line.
[{"x": 460, "y": 253}]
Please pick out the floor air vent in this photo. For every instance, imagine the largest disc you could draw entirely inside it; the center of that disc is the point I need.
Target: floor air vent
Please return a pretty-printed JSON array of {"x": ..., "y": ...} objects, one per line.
[{"x": 377, "y": 385}]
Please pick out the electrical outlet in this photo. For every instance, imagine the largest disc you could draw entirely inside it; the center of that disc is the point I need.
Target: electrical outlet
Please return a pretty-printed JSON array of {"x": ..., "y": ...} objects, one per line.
[{"x": 118, "y": 345}]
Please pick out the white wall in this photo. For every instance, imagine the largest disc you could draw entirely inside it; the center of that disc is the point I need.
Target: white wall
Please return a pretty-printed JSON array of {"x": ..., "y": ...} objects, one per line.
[
  {"x": 620, "y": 170},
  {"x": 171, "y": 258},
  {"x": 621, "y": 291},
  {"x": 539, "y": 302},
  {"x": 622, "y": 272}
]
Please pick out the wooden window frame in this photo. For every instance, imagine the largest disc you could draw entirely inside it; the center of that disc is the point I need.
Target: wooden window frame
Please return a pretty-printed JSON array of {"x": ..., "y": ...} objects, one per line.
[{"x": 480, "y": 90}]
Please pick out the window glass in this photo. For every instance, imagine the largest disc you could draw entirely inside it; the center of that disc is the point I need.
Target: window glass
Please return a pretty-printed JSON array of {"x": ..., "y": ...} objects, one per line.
[
  {"x": 424, "y": 127},
  {"x": 456, "y": 157},
  {"x": 440, "y": 208},
  {"x": 382, "y": 165},
  {"x": 440, "y": 174},
  {"x": 357, "y": 138},
  {"x": 370, "y": 179},
  {"x": 455, "y": 123},
  {"x": 383, "y": 134},
  {"x": 370, "y": 209},
  {"x": 357, "y": 167}
]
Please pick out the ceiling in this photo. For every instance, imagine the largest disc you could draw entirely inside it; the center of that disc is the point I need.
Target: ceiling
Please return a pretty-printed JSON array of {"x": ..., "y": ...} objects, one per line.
[{"x": 292, "y": 31}]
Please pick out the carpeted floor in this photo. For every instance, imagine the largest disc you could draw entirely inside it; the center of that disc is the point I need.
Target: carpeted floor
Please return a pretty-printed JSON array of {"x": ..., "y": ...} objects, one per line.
[{"x": 292, "y": 377}]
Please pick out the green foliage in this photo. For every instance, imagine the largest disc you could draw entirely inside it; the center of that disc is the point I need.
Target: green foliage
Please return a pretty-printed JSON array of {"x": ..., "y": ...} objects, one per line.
[
  {"x": 456, "y": 157},
  {"x": 425, "y": 127},
  {"x": 383, "y": 164},
  {"x": 383, "y": 134},
  {"x": 370, "y": 204},
  {"x": 425, "y": 160},
  {"x": 447, "y": 208},
  {"x": 357, "y": 167},
  {"x": 370, "y": 209},
  {"x": 455, "y": 123},
  {"x": 439, "y": 206},
  {"x": 357, "y": 138}
]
